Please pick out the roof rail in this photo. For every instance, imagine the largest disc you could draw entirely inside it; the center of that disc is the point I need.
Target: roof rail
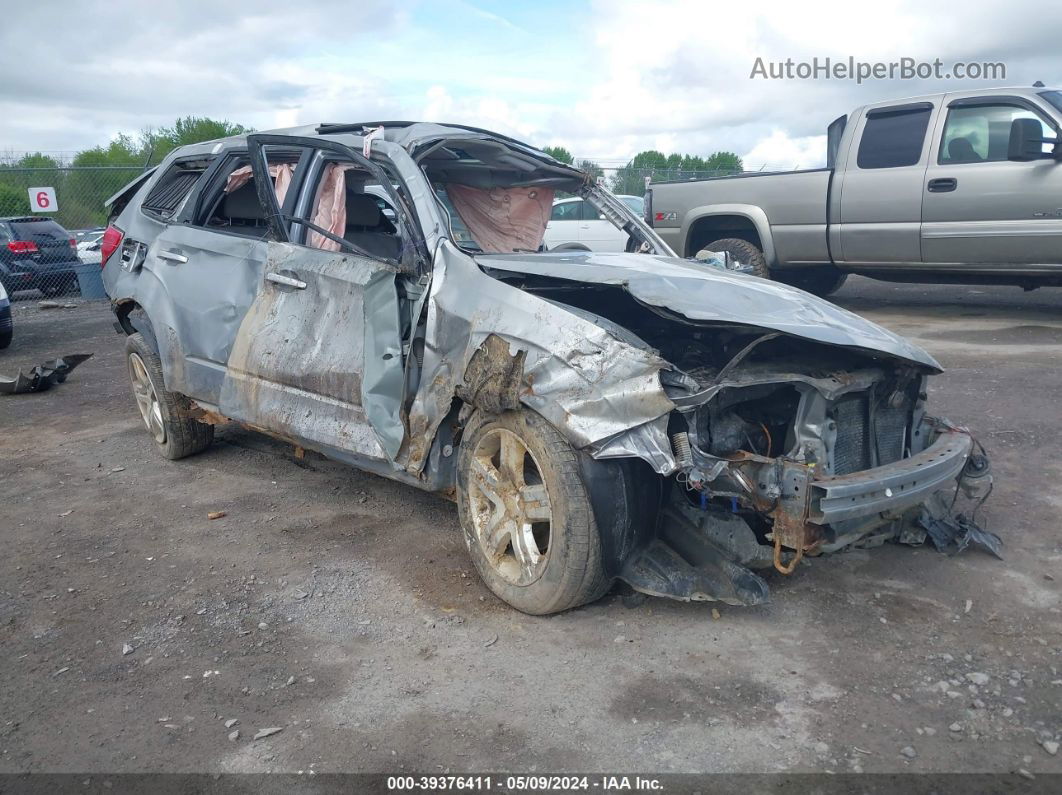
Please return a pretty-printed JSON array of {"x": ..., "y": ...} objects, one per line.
[
  {"x": 335, "y": 128},
  {"x": 331, "y": 128}
]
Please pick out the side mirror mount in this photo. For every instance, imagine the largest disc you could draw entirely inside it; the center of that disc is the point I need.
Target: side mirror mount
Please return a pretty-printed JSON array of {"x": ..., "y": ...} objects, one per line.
[{"x": 1027, "y": 141}]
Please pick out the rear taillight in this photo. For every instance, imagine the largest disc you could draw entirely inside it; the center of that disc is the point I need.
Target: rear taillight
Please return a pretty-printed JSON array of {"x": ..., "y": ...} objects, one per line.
[
  {"x": 111, "y": 242},
  {"x": 647, "y": 206},
  {"x": 73, "y": 243},
  {"x": 22, "y": 246}
]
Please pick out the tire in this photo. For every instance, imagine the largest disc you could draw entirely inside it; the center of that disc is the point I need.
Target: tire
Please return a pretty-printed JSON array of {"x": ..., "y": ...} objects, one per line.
[
  {"x": 819, "y": 280},
  {"x": 5, "y": 338},
  {"x": 167, "y": 415},
  {"x": 567, "y": 570},
  {"x": 743, "y": 251}
]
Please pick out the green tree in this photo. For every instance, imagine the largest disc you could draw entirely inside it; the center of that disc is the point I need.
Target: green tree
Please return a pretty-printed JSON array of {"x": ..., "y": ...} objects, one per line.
[
  {"x": 590, "y": 167},
  {"x": 630, "y": 180},
  {"x": 29, "y": 171},
  {"x": 559, "y": 153},
  {"x": 190, "y": 130},
  {"x": 97, "y": 175},
  {"x": 13, "y": 201},
  {"x": 724, "y": 163},
  {"x": 660, "y": 168},
  {"x": 102, "y": 171}
]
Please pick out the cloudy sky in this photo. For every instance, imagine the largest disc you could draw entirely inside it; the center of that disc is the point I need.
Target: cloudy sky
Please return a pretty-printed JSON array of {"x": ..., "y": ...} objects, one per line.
[{"x": 605, "y": 78}]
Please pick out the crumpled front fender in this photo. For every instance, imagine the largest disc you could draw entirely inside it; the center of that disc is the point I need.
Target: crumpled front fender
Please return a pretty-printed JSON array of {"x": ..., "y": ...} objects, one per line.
[{"x": 586, "y": 382}]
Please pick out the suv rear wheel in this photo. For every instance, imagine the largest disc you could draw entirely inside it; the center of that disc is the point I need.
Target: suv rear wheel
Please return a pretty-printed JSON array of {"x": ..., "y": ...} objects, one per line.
[
  {"x": 526, "y": 514},
  {"x": 167, "y": 415}
]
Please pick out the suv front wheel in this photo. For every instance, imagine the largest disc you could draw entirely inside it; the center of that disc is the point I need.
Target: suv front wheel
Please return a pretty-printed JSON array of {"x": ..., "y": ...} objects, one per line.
[
  {"x": 167, "y": 415},
  {"x": 526, "y": 514}
]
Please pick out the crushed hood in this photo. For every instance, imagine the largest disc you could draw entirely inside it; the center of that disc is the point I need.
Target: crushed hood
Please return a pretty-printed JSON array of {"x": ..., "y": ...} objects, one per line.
[{"x": 711, "y": 295}]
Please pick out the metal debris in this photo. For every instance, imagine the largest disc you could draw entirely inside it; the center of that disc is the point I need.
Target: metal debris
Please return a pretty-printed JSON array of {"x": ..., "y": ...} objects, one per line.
[
  {"x": 952, "y": 534},
  {"x": 42, "y": 376}
]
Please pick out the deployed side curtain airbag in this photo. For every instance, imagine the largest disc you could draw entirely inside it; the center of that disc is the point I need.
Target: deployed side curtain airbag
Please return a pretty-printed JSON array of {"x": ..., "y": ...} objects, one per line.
[
  {"x": 503, "y": 220},
  {"x": 330, "y": 207},
  {"x": 280, "y": 172}
]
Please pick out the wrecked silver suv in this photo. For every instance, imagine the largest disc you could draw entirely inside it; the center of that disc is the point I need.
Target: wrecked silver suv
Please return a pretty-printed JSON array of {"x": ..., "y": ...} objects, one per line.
[{"x": 380, "y": 293}]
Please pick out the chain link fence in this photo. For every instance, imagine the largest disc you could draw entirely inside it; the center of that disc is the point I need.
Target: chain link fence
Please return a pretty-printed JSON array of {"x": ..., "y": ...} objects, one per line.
[
  {"x": 628, "y": 181},
  {"x": 51, "y": 222}
]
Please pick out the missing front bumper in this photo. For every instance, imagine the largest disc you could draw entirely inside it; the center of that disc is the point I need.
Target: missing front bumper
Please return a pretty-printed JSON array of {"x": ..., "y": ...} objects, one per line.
[
  {"x": 893, "y": 488},
  {"x": 712, "y": 553}
]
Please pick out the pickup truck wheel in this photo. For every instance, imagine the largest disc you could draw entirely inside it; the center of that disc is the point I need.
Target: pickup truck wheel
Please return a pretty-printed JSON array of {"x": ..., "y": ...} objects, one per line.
[
  {"x": 821, "y": 280},
  {"x": 744, "y": 252},
  {"x": 526, "y": 514},
  {"x": 166, "y": 414}
]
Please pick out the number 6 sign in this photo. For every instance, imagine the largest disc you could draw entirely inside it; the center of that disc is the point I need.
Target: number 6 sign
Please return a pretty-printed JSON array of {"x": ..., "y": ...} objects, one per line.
[{"x": 42, "y": 200}]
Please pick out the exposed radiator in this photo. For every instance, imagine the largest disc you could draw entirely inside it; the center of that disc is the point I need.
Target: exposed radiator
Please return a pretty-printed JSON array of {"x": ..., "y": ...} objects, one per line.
[{"x": 852, "y": 447}]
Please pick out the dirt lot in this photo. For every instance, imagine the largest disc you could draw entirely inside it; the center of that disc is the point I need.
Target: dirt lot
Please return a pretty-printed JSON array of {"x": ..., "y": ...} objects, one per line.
[{"x": 342, "y": 607}]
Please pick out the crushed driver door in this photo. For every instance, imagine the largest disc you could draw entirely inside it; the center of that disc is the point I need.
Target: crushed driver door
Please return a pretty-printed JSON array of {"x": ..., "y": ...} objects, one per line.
[{"x": 318, "y": 358}]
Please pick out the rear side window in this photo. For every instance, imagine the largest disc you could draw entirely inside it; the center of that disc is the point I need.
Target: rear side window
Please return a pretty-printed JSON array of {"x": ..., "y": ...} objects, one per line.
[
  {"x": 893, "y": 138},
  {"x": 590, "y": 212},
  {"x": 27, "y": 230},
  {"x": 567, "y": 211},
  {"x": 169, "y": 194}
]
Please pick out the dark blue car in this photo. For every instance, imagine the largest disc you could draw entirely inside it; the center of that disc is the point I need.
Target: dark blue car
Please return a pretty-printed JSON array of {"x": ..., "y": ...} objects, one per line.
[
  {"x": 37, "y": 253},
  {"x": 7, "y": 329}
]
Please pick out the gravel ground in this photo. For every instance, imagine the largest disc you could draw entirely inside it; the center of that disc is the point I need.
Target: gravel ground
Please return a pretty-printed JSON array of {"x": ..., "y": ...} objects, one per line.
[{"x": 342, "y": 608}]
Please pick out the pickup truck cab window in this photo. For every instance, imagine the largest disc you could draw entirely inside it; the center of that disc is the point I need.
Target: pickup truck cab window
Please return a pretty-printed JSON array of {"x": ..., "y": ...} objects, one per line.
[
  {"x": 981, "y": 133},
  {"x": 1054, "y": 97},
  {"x": 893, "y": 137}
]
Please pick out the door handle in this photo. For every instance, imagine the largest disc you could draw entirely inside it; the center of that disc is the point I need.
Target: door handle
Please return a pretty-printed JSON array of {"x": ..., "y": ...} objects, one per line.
[
  {"x": 287, "y": 281},
  {"x": 172, "y": 256},
  {"x": 943, "y": 185}
]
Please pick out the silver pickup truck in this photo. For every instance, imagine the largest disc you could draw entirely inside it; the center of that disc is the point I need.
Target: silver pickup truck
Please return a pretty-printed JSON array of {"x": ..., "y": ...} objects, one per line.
[{"x": 961, "y": 187}]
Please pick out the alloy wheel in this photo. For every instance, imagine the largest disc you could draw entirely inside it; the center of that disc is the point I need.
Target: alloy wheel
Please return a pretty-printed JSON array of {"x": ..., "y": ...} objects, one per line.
[
  {"x": 147, "y": 400},
  {"x": 510, "y": 507}
]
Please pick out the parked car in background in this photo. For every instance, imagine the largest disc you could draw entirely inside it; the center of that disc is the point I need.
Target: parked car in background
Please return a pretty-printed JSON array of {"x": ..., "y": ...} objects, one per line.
[
  {"x": 88, "y": 247},
  {"x": 961, "y": 187},
  {"x": 576, "y": 225},
  {"x": 37, "y": 253},
  {"x": 80, "y": 235},
  {"x": 596, "y": 416},
  {"x": 7, "y": 326}
]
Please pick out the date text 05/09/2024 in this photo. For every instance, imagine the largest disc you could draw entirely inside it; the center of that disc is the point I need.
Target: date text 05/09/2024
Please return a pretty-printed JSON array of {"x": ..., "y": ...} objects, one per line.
[{"x": 523, "y": 783}]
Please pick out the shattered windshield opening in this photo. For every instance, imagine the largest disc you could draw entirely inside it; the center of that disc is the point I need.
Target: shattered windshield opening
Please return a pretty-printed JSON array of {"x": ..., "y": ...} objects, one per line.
[{"x": 499, "y": 198}]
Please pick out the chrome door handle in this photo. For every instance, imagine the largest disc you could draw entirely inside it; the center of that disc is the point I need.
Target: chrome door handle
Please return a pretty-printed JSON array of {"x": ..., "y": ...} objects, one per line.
[
  {"x": 287, "y": 281},
  {"x": 172, "y": 256}
]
